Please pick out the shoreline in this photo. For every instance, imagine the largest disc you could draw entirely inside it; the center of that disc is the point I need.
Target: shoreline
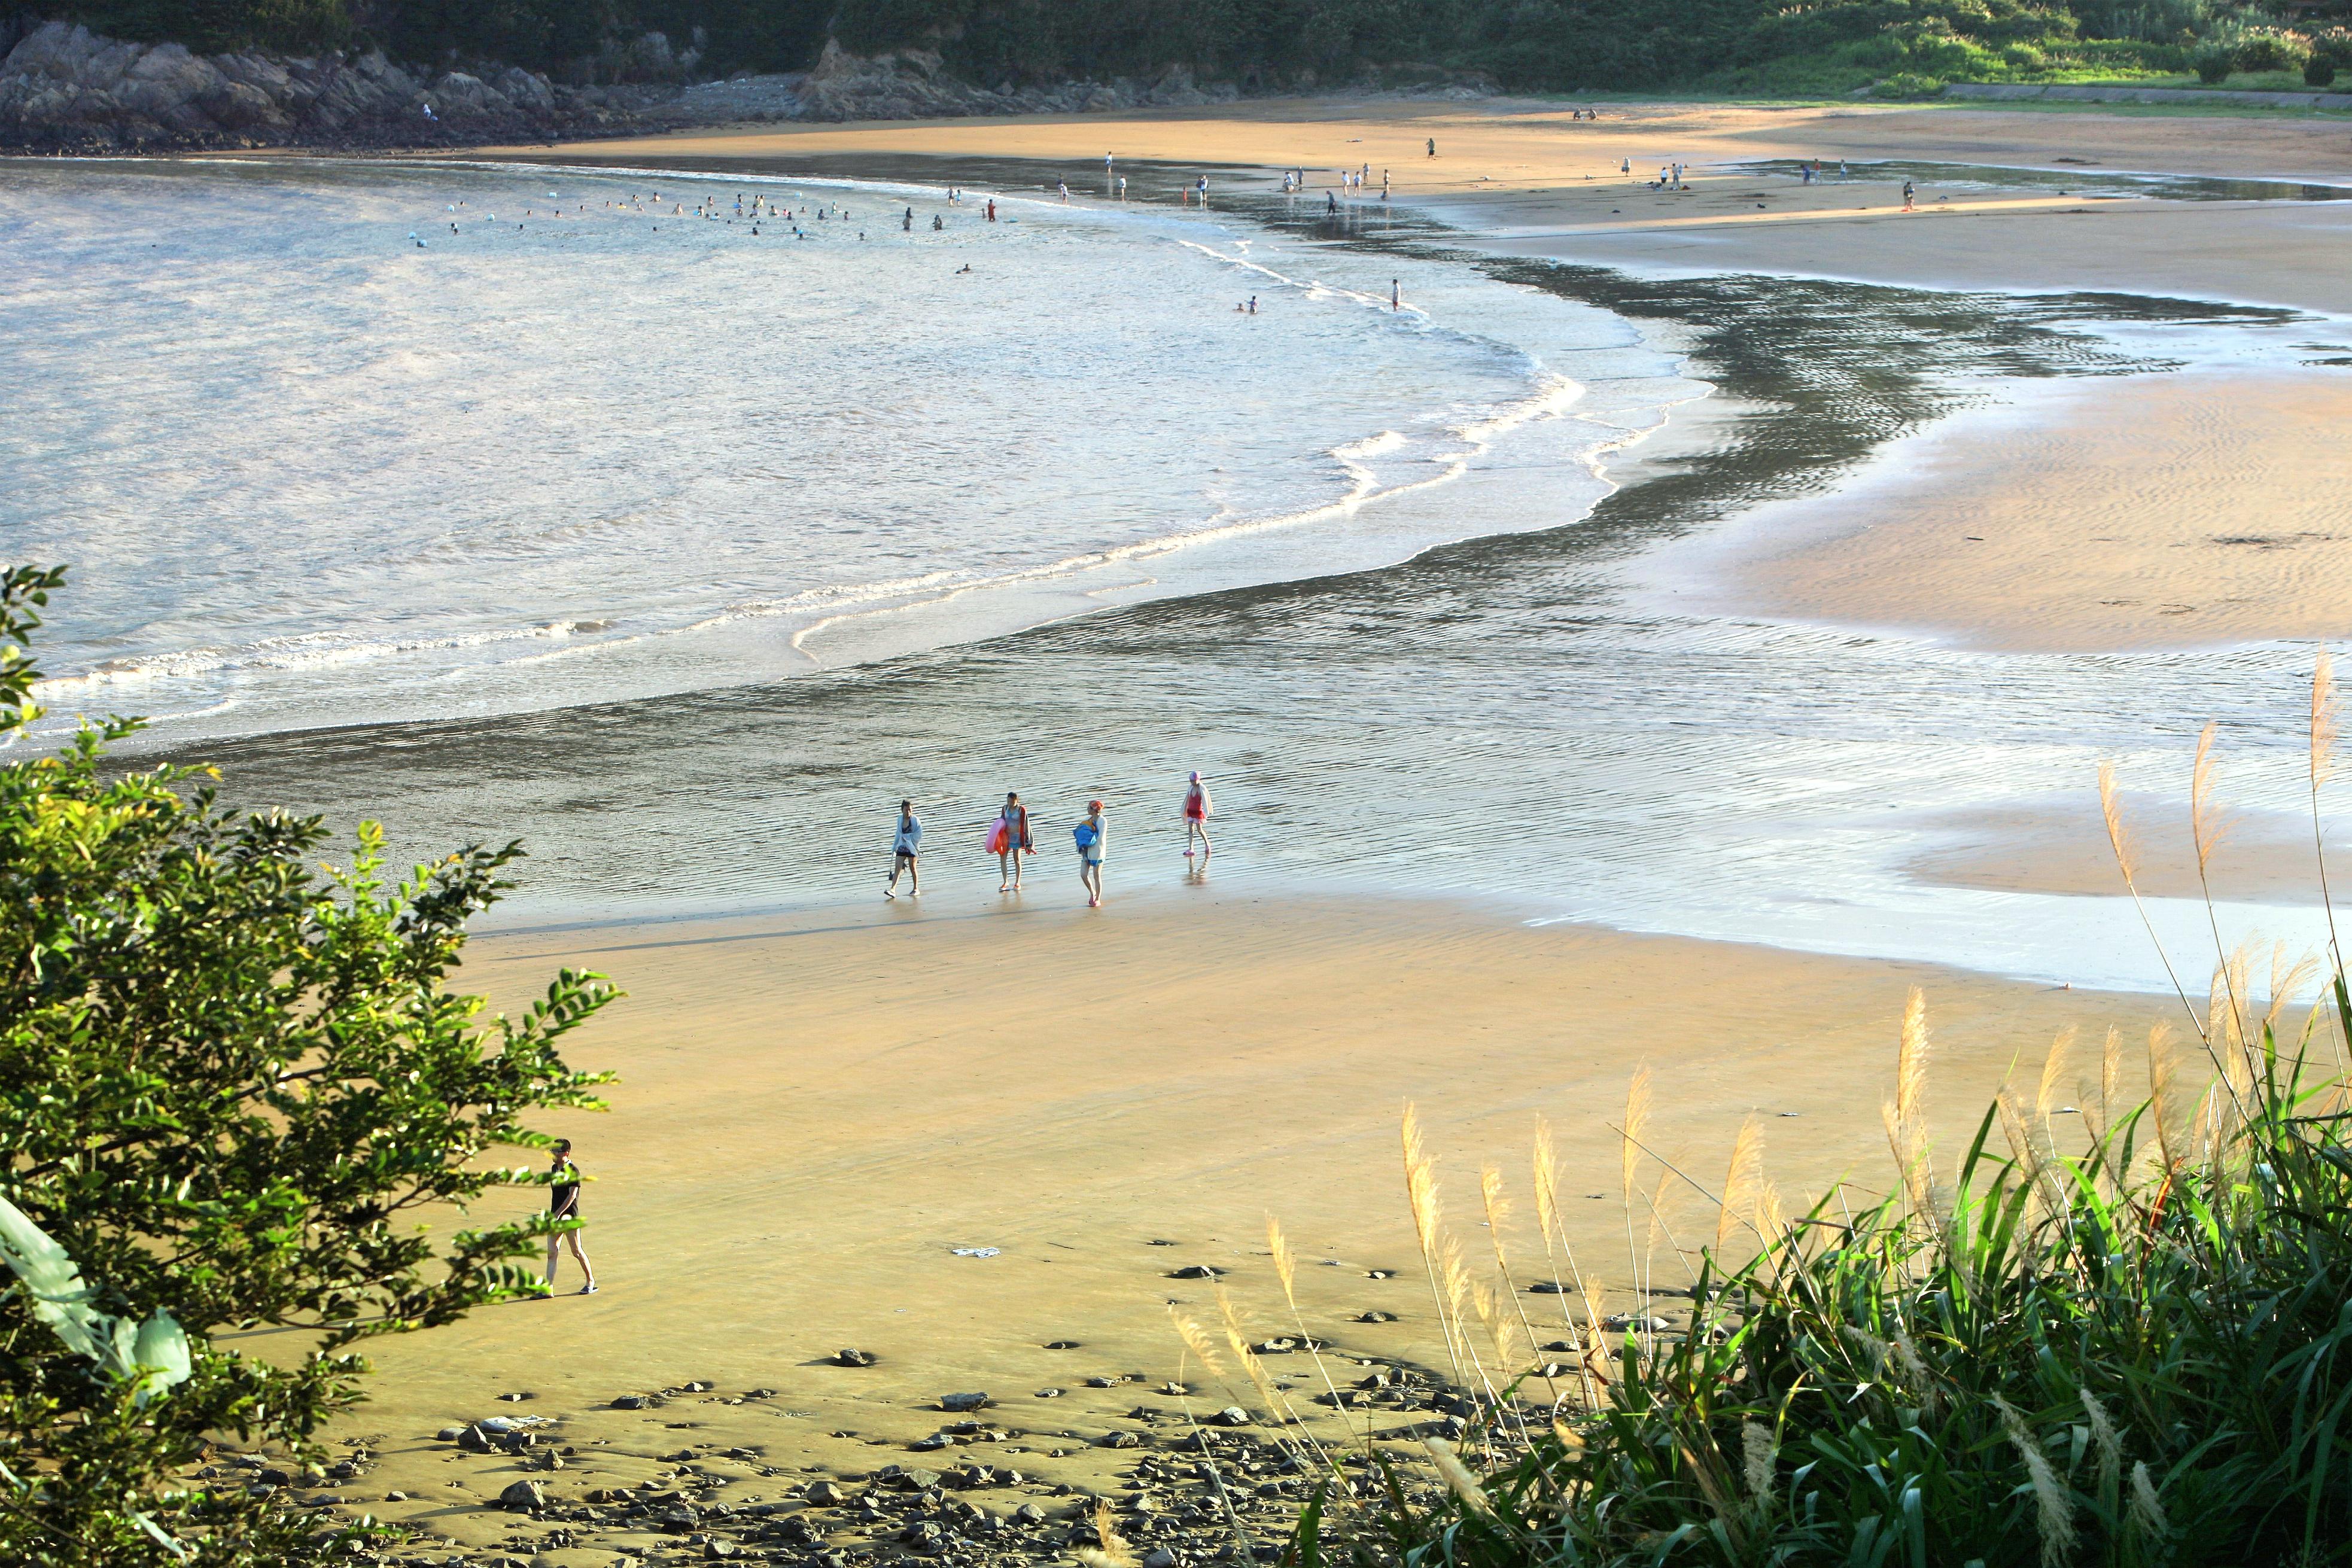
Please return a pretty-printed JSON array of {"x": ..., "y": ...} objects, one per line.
[{"x": 1809, "y": 381}]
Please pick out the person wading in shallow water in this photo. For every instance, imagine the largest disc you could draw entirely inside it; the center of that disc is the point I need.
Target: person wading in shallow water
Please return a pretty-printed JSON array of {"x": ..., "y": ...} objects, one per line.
[
  {"x": 1009, "y": 841},
  {"x": 563, "y": 1203},
  {"x": 1196, "y": 817},
  {"x": 1090, "y": 835},
  {"x": 906, "y": 845}
]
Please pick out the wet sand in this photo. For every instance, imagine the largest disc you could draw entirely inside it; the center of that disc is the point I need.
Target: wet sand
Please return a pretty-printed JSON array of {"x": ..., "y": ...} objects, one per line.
[
  {"x": 2060, "y": 846},
  {"x": 1525, "y": 179},
  {"x": 815, "y": 1112},
  {"x": 2142, "y": 512},
  {"x": 1516, "y": 142}
]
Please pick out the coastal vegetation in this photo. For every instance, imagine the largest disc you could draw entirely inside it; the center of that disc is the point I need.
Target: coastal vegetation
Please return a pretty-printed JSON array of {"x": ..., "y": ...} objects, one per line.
[
  {"x": 232, "y": 1087},
  {"x": 1748, "y": 46},
  {"x": 2111, "y": 1329}
]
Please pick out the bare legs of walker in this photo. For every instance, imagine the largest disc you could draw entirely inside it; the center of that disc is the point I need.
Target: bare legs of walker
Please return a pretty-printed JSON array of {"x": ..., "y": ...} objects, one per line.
[
  {"x": 1008, "y": 870},
  {"x": 570, "y": 1238},
  {"x": 1193, "y": 828}
]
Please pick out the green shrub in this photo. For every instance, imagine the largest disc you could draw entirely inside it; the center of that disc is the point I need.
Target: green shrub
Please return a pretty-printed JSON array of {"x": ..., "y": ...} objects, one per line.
[
  {"x": 1906, "y": 85},
  {"x": 2214, "y": 61},
  {"x": 2264, "y": 49},
  {"x": 228, "y": 1083},
  {"x": 2318, "y": 71}
]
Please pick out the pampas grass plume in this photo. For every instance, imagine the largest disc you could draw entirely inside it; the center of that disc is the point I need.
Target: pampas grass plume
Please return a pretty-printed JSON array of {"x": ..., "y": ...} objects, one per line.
[
  {"x": 1547, "y": 1179},
  {"x": 2045, "y": 1095},
  {"x": 2106, "y": 1444},
  {"x": 2144, "y": 1516},
  {"x": 2205, "y": 820},
  {"x": 2322, "y": 719},
  {"x": 2118, "y": 834},
  {"x": 1637, "y": 1118},
  {"x": 2054, "y": 1514},
  {"x": 1742, "y": 1182},
  {"x": 1759, "y": 1460},
  {"x": 1285, "y": 1265},
  {"x": 1458, "y": 1476}
]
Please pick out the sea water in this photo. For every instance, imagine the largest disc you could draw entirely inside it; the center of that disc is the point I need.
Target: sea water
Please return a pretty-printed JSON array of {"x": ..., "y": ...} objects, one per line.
[
  {"x": 331, "y": 442},
  {"x": 685, "y": 555}
]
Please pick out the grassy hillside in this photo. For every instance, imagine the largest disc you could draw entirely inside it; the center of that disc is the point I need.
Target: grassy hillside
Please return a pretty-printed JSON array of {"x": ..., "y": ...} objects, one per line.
[{"x": 1733, "y": 46}]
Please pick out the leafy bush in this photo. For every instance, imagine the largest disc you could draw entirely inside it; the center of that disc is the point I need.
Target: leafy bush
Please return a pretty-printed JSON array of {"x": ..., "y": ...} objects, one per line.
[
  {"x": 2214, "y": 61},
  {"x": 2318, "y": 71},
  {"x": 2267, "y": 49},
  {"x": 228, "y": 1085},
  {"x": 1907, "y": 85},
  {"x": 2124, "y": 1340}
]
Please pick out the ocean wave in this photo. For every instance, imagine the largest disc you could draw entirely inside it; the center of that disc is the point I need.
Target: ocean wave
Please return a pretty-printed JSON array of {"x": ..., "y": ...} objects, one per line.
[{"x": 309, "y": 651}]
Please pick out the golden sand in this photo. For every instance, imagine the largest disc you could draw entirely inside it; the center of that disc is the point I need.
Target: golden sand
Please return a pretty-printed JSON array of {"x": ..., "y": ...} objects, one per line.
[{"x": 815, "y": 1112}]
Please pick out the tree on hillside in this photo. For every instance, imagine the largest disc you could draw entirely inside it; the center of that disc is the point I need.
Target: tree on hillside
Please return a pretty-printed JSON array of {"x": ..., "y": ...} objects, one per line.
[{"x": 231, "y": 1085}]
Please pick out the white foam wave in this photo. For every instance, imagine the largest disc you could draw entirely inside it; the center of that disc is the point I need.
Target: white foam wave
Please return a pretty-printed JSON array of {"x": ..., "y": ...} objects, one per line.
[{"x": 307, "y": 652}]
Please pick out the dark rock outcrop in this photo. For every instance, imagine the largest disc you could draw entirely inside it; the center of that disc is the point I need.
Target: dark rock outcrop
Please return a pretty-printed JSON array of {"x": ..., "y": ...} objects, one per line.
[{"x": 66, "y": 89}]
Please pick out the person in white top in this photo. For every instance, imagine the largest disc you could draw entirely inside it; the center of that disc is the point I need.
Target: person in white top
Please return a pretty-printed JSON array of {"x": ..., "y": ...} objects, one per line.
[
  {"x": 1196, "y": 817},
  {"x": 903, "y": 846}
]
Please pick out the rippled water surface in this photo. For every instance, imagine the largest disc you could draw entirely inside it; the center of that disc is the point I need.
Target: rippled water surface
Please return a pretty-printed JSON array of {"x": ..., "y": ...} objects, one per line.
[
  {"x": 1450, "y": 686},
  {"x": 337, "y": 443}
]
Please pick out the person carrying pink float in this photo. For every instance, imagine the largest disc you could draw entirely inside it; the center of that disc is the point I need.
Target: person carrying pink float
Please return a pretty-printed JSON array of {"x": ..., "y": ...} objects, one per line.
[
  {"x": 1196, "y": 817},
  {"x": 1008, "y": 840}
]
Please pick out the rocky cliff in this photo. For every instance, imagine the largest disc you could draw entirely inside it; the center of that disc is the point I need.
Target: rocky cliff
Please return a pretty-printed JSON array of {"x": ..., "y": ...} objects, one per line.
[{"x": 64, "y": 89}]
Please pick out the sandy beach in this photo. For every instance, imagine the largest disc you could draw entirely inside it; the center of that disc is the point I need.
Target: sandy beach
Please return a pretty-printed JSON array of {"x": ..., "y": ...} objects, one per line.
[
  {"x": 814, "y": 1114},
  {"x": 2142, "y": 512},
  {"x": 982, "y": 1140}
]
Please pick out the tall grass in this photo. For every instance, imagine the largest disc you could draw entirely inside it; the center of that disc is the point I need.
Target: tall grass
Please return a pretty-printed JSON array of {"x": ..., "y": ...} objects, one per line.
[{"x": 2122, "y": 1337}]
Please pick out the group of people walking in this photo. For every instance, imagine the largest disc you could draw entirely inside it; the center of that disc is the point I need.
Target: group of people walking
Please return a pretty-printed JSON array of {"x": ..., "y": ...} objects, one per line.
[{"x": 1010, "y": 838}]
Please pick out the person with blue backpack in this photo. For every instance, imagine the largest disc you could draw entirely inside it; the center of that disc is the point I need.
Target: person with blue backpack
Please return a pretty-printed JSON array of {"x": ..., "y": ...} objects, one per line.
[{"x": 1089, "y": 836}]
